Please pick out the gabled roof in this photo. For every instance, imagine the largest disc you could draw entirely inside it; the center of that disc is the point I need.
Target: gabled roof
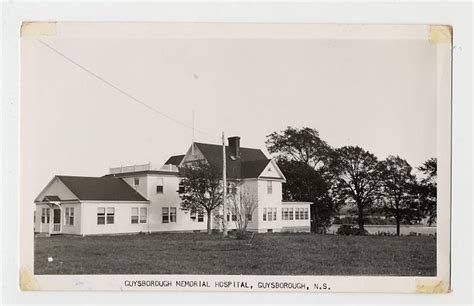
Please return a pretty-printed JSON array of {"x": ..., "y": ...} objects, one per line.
[
  {"x": 254, "y": 168},
  {"x": 174, "y": 160},
  {"x": 250, "y": 164},
  {"x": 100, "y": 188}
]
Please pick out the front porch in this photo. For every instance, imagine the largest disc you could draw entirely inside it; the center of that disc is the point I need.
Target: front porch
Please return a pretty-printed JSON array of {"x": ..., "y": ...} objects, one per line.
[{"x": 54, "y": 216}]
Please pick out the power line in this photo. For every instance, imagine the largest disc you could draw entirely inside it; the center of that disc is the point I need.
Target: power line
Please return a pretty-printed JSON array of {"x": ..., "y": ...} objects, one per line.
[{"x": 122, "y": 91}]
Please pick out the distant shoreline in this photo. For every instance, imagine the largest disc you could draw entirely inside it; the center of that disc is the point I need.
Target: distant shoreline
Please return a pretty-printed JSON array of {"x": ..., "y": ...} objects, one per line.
[{"x": 404, "y": 229}]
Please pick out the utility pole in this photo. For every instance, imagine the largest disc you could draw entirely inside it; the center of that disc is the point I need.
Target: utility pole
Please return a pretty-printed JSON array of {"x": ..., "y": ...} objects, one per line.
[{"x": 224, "y": 184}]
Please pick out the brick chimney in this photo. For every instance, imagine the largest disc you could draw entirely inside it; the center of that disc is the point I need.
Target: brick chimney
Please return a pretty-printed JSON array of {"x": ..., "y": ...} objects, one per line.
[{"x": 234, "y": 146}]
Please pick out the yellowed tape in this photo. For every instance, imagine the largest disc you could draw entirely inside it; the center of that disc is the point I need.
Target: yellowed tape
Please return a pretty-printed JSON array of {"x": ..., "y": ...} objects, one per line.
[
  {"x": 38, "y": 29},
  {"x": 440, "y": 34},
  {"x": 27, "y": 280},
  {"x": 432, "y": 287}
]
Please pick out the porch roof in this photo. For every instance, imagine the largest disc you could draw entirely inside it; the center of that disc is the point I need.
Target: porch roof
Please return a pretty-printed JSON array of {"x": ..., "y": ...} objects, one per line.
[{"x": 51, "y": 198}]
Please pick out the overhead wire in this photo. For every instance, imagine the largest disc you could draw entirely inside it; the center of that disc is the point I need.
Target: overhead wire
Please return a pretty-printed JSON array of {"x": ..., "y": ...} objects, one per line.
[{"x": 130, "y": 96}]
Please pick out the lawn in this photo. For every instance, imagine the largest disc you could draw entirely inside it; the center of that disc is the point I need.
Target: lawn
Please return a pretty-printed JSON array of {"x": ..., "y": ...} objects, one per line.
[{"x": 269, "y": 254}]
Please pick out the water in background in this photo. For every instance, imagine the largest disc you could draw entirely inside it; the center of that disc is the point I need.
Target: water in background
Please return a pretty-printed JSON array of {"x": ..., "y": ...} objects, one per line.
[{"x": 392, "y": 229}]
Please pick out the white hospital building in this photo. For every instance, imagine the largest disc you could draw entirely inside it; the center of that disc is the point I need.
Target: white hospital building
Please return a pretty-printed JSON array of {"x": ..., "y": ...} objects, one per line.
[{"x": 144, "y": 198}]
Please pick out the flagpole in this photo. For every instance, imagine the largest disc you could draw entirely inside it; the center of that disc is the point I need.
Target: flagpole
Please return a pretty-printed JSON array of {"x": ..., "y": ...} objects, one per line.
[{"x": 224, "y": 191}]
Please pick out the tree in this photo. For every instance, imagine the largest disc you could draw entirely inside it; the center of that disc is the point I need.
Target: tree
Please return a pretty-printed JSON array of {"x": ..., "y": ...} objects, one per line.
[
  {"x": 202, "y": 190},
  {"x": 428, "y": 189},
  {"x": 358, "y": 180},
  {"x": 306, "y": 184},
  {"x": 242, "y": 204},
  {"x": 302, "y": 145},
  {"x": 305, "y": 160},
  {"x": 399, "y": 191}
]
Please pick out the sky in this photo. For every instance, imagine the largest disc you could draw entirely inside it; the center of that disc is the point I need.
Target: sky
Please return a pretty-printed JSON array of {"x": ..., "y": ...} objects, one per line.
[{"x": 377, "y": 94}]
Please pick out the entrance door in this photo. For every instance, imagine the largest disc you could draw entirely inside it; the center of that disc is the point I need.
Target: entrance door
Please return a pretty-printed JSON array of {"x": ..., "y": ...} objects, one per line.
[{"x": 56, "y": 220}]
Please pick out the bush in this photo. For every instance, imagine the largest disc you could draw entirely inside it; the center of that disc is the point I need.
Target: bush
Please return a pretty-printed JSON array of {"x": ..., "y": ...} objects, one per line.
[
  {"x": 346, "y": 229},
  {"x": 239, "y": 235}
]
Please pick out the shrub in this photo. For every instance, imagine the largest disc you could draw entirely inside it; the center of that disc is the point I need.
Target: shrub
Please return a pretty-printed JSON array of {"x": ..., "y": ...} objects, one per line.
[
  {"x": 239, "y": 235},
  {"x": 347, "y": 229}
]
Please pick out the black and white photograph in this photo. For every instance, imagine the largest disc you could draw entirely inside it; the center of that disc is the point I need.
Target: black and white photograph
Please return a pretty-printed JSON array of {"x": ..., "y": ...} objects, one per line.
[{"x": 207, "y": 156}]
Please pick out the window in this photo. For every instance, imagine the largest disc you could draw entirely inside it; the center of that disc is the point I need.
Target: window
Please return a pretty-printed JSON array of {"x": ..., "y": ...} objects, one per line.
[
  {"x": 69, "y": 216},
  {"x": 134, "y": 219},
  {"x": 100, "y": 215},
  {"x": 139, "y": 215},
  {"x": 168, "y": 214},
  {"x": 173, "y": 214},
  {"x": 249, "y": 217},
  {"x": 181, "y": 187},
  {"x": 297, "y": 213},
  {"x": 290, "y": 213},
  {"x": 231, "y": 188},
  {"x": 105, "y": 215},
  {"x": 45, "y": 215},
  {"x": 271, "y": 214},
  {"x": 165, "y": 215},
  {"x": 269, "y": 187},
  {"x": 143, "y": 214},
  {"x": 110, "y": 215},
  {"x": 306, "y": 214},
  {"x": 234, "y": 217},
  {"x": 284, "y": 214},
  {"x": 159, "y": 186},
  {"x": 200, "y": 217},
  {"x": 136, "y": 181}
]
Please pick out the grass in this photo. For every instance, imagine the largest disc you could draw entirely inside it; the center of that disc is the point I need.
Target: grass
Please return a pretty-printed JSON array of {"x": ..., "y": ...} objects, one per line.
[{"x": 269, "y": 254}]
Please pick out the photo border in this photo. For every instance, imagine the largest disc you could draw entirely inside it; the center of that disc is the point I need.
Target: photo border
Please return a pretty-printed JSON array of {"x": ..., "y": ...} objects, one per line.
[{"x": 459, "y": 15}]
